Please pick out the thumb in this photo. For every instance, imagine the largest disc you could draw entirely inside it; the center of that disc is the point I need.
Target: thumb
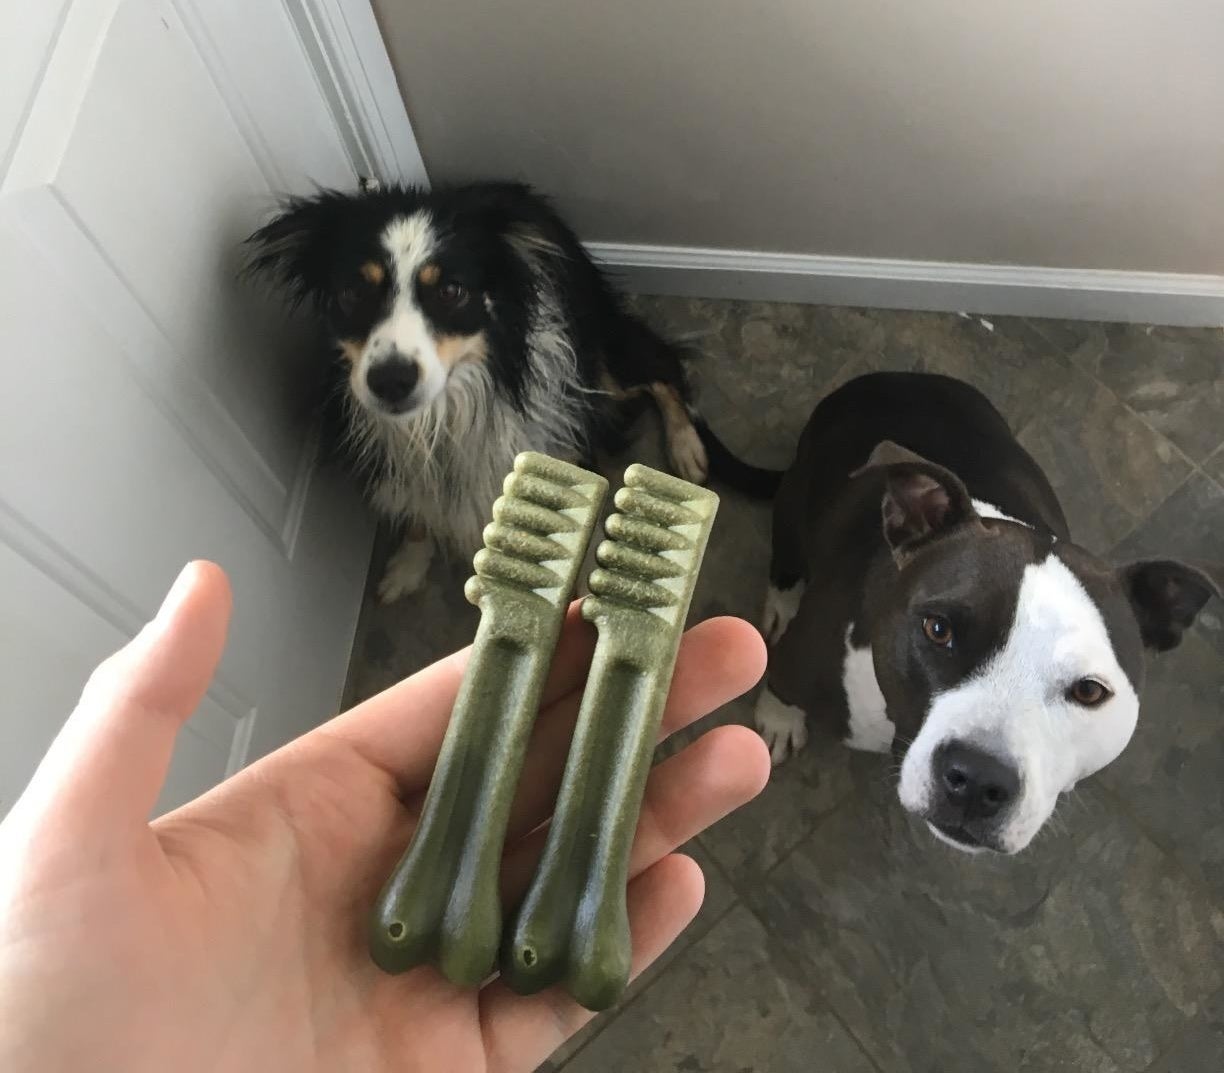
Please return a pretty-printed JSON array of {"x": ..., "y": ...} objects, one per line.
[{"x": 107, "y": 765}]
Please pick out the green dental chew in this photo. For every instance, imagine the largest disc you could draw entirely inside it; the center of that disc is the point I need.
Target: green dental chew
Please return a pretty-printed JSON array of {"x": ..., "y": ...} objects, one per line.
[
  {"x": 573, "y": 925},
  {"x": 442, "y": 902}
]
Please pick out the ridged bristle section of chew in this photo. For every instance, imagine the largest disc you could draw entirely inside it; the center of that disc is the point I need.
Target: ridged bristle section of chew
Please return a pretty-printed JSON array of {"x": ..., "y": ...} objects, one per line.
[
  {"x": 656, "y": 545},
  {"x": 515, "y": 571},
  {"x": 644, "y": 535},
  {"x": 612, "y": 584},
  {"x": 553, "y": 469},
  {"x": 522, "y": 543},
  {"x": 532, "y": 517},
  {"x": 664, "y": 486},
  {"x": 653, "y": 508},
  {"x": 629, "y": 560},
  {"x": 540, "y": 529}
]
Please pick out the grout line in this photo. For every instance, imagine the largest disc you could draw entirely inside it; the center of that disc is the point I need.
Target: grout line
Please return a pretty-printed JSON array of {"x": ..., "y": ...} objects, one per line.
[
  {"x": 1036, "y": 322},
  {"x": 1167, "y": 849},
  {"x": 697, "y": 936},
  {"x": 1179, "y": 1037},
  {"x": 842, "y": 802},
  {"x": 798, "y": 964},
  {"x": 1095, "y": 379},
  {"x": 1140, "y": 522},
  {"x": 1217, "y": 453},
  {"x": 732, "y": 877}
]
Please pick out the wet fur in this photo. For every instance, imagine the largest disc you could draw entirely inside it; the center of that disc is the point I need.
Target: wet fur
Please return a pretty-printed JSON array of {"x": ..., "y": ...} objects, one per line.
[{"x": 564, "y": 364}]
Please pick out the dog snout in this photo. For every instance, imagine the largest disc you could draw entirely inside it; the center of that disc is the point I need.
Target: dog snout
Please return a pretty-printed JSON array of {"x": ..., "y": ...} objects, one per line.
[
  {"x": 975, "y": 784},
  {"x": 393, "y": 380}
]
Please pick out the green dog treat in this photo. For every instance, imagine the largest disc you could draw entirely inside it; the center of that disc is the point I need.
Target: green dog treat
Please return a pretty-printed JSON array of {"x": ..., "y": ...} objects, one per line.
[
  {"x": 573, "y": 925},
  {"x": 442, "y": 902}
]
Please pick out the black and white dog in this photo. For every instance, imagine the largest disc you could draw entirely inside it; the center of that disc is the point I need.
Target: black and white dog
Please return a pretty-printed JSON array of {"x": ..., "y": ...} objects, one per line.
[
  {"x": 926, "y": 597},
  {"x": 473, "y": 326}
]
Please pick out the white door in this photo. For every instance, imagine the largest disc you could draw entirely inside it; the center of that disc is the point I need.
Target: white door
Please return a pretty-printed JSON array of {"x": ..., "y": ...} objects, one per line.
[{"x": 151, "y": 405}]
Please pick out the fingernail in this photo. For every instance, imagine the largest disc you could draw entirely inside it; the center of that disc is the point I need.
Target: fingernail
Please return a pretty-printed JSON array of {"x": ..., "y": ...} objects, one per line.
[{"x": 177, "y": 594}]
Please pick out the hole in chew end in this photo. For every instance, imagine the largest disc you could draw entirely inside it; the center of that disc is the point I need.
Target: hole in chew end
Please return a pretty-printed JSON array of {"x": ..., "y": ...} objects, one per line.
[
  {"x": 529, "y": 956},
  {"x": 396, "y": 930}
]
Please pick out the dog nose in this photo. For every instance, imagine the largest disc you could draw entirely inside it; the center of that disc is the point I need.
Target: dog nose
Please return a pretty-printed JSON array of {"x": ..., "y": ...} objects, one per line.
[
  {"x": 392, "y": 382},
  {"x": 974, "y": 782}
]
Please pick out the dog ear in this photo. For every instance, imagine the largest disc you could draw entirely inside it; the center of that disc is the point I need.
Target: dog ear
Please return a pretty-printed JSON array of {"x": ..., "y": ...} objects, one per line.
[
  {"x": 293, "y": 247},
  {"x": 921, "y": 499},
  {"x": 1167, "y": 595}
]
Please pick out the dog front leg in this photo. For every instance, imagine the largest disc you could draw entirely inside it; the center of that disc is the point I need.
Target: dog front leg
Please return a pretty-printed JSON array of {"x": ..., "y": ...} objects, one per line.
[
  {"x": 684, "y": 447},
  {"x": 407, "y": 567},
  {"x": 782, "y": 725}
]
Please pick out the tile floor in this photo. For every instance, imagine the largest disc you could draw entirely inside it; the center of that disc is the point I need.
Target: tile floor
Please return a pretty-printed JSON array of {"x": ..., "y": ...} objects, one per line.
[{"x": 839, "y": 938}]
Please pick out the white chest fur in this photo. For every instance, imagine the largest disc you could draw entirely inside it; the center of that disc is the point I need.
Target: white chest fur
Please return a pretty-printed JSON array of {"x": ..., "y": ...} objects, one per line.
[{"x": 869, "y": 727}]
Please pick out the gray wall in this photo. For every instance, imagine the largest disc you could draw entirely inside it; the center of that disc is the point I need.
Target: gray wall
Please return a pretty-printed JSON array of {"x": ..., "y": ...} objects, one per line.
[{"x": 1066, "y": 133}]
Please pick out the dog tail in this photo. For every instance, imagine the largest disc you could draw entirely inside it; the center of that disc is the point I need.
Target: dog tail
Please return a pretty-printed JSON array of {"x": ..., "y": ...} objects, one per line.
[{"x": 725, "y": 467}]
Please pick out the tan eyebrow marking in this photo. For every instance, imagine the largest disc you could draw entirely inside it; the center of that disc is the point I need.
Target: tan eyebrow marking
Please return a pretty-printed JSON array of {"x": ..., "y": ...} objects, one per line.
[
  {"x": 374, "y": 272},
  {"x": 429, "y": 275}
]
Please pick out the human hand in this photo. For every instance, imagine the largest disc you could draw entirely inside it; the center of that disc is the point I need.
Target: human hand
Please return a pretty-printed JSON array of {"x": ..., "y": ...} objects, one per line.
[{"x": 230, "y": 934}]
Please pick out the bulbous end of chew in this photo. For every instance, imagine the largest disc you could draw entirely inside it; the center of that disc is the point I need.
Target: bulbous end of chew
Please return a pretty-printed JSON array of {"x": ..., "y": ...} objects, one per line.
[
  {"x": 535, "y": 947},
  {"x": 530, "y": 962},
  {"x": 399, "y": 940},
  {"x": 598, "y": 980}
]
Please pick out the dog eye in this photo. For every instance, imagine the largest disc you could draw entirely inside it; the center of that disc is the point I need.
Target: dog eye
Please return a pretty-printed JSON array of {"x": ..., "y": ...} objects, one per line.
[
  {"x": 1089, "y": 693},
  {"x": 347, "y": 300},
  {"x": 938, "y": 630},
  {"x": 452, "y": 293}
]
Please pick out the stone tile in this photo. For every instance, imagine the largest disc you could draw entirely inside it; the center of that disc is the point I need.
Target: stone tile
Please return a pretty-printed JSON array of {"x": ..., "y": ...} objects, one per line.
[
  {"x": 1169, "y": 777},
  {"x": 1095, "y": 950},
  {"x": 735, "y": 572},
  {"x": 1172, "y": 377},
  {"x": 1089, "y": 951},
  {"x": 1108, "y": 467},
  {"x": 729, "y": 1004},
  {"x": 1008, "y": 361},
  {"x": 1079, "y": 339},
  {"x": 800, "y": 793},
  {"x": 1188, "y": 525},
  {"x": 762, "y": 367},
  {"x": 1201, "y": 1049},
  {"x": 719, "y": 897},
  {"x": 398, "y": 639}
]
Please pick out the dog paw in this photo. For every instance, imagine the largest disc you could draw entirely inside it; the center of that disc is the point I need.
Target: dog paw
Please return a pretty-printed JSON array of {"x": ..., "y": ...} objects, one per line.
[
  {"x": 783, "y": 726},
  {"x": 781, "y": 605},
  {"x": 688, "y": 455},
  {"x": 405, "y": 571}
]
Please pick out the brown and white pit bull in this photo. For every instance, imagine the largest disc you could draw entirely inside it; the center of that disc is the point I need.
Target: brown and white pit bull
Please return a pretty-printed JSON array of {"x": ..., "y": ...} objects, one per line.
[{"x": 926, "y": 598}]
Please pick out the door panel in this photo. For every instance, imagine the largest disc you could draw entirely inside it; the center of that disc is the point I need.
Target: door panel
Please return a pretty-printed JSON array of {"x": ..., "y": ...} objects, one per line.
[{"x": 154, "y": 408}]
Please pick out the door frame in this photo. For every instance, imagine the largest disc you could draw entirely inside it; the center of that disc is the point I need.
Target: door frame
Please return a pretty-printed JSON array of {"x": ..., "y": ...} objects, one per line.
[{"x": 345, "y": 48}]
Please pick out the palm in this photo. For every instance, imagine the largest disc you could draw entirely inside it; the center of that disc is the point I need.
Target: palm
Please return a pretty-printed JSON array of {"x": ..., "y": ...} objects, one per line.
[{"x": 230, "y": 934}]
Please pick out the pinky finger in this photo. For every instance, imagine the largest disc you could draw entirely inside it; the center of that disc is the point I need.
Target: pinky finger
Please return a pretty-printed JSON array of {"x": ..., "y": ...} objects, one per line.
[{"x": 520, "y": 1032}]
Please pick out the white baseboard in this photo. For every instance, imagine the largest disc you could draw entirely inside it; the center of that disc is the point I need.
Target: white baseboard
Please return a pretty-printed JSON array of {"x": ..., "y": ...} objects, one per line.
[{"x": 1018, "y": 290}]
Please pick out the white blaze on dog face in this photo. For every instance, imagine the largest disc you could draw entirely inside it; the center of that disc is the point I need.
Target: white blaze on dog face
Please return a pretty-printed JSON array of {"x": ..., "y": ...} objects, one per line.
[
  {"x": 1018, "y": 705},
  {"x": 428, "y": 325},
  {"x": 403, "y": 334}
]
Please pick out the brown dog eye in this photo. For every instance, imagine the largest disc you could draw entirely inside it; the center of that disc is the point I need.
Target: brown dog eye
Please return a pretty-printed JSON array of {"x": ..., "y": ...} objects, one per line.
[
  {"x": 938, "y": 630},
  {"x": 347, "y": 300},
  {"x": 452, "y": 293},
  {"x": 1089, "y": 693}
]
